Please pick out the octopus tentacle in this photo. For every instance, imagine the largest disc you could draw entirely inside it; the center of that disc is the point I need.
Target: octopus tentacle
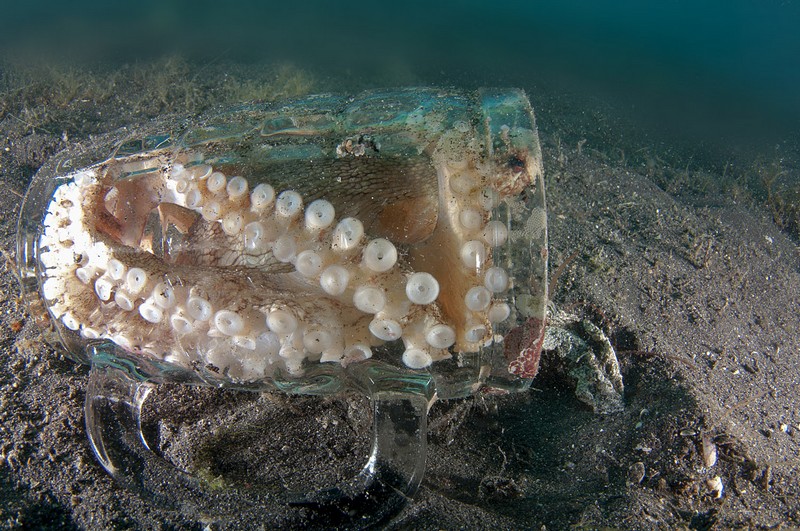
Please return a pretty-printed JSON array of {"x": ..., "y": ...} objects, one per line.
[{"x": 171, "y": 254}]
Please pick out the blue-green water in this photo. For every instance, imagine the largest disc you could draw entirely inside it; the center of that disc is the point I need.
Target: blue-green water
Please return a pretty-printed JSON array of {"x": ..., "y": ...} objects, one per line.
[{"x": 716, "y": 71}]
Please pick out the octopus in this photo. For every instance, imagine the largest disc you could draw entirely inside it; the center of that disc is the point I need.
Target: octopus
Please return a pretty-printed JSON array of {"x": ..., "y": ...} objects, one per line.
[{"x": 408, "y": 226}]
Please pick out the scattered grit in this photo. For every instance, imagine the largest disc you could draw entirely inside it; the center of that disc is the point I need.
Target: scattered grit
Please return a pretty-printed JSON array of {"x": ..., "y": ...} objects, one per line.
[{"x": 699, "y": 295}]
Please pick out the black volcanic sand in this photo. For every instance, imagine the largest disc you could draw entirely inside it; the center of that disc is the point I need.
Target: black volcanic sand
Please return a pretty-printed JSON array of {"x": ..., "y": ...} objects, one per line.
[{"x": 693, "y": 282}]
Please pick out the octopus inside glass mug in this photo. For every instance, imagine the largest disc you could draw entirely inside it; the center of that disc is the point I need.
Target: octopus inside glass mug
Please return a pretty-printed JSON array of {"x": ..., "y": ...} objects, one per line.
[{"x": 392, "y": 243}]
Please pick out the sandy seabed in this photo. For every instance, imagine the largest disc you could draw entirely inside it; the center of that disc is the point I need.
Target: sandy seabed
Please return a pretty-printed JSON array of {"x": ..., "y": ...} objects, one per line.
[{"x": 699, "y": 292}]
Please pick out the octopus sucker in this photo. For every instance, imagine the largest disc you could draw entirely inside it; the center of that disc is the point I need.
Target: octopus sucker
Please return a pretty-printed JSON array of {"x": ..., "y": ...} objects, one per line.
[{"x": 251, "y": 261}]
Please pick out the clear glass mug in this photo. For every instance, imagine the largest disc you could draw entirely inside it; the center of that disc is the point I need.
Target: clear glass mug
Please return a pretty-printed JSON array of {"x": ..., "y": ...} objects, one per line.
[{"x": 393, "y": 243}]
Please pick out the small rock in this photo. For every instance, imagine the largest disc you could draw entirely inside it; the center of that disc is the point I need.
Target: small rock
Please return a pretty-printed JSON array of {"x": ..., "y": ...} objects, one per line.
[
  {"x": 636, "y": 473},
  {"x": 589, "y": 359},
  {"x": 715, "y": 486},
  {"x": 709, "y": 451}
]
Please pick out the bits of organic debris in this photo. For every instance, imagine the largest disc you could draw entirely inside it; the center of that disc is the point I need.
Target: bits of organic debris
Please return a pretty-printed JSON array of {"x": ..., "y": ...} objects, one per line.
[
  {"x": 498, "y": 488},
  {"x": 766, "y": 477},
  {"x": 709, "y": 450},
  {"x": 751, "y": 367},
  {"x": 642, "y": 448}
]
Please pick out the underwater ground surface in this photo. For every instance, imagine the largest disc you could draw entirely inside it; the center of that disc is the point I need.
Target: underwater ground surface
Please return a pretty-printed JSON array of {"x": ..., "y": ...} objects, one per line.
[{"x": 671, "y": 156}]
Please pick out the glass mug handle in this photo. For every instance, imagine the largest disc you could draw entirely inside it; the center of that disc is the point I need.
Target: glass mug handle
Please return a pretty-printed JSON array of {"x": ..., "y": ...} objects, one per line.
[{"x": 391, "y": 475}]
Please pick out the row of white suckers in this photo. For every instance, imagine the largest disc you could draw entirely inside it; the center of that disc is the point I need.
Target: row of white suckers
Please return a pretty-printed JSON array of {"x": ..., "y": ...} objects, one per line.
[{"x": 223, "y": 200}]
